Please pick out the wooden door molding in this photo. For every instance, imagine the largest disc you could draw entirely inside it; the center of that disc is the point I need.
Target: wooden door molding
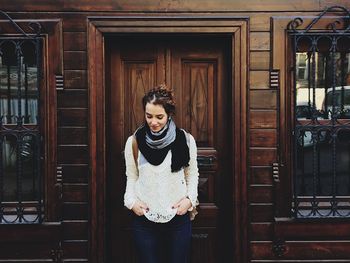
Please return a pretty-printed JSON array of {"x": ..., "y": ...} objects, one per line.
[{"x": 98, "y": 29}]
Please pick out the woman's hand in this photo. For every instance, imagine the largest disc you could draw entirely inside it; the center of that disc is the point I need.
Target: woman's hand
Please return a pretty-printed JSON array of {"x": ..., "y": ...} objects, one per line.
[
  {"x": 139, "y": 208},
  {"x": 182, "y": 206}
]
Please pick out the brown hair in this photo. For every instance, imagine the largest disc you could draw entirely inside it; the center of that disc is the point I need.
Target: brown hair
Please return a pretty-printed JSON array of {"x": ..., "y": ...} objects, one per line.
[{"x": 160, "y": 95}]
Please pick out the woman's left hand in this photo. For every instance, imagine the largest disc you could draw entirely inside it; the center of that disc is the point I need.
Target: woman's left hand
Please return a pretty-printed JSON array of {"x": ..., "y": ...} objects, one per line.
[{"x": 182, "y": 206}]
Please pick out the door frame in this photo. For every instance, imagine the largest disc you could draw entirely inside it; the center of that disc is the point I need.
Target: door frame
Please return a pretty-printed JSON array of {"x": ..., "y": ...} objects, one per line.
[{"x": 102, "y": 26}]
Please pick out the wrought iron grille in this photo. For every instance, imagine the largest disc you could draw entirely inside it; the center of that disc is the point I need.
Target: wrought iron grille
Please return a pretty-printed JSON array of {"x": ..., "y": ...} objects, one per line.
[
  {"x": 21, "y": 194},
  {"x": 321, "y": 135}
]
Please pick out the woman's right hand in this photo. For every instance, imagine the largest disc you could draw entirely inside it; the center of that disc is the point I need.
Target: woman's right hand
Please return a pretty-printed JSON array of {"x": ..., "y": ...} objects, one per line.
[{"x": 139, "y": 208}]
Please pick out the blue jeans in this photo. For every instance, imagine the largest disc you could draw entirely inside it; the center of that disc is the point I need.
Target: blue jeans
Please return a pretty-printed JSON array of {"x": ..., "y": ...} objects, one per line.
[{"x": 163, "y": 242}]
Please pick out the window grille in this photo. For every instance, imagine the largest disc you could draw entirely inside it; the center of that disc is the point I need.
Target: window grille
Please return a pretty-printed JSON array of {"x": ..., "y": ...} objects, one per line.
[
  {"x": 321, "y": 101},
  {"x": 21, "y": 193}
]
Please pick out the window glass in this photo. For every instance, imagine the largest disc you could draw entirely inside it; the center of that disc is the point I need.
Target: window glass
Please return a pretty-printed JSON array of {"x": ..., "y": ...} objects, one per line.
[
  {"x": 321, "y": 184},
  {"x": 20, "y": 178}
]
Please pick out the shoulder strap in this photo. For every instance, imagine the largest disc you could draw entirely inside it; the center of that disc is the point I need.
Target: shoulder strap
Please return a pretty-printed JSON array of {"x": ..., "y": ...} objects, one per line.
[
  {"x": 188, "y": 144},
  {"x": 135, "y": 150},
  {"x": 187, "y": 137}
]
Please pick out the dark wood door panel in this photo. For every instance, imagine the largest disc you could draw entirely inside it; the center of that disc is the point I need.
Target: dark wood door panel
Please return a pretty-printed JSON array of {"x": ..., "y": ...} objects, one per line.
[
  {"x": 204, "y": 245},
  {"x": 135, "y": 66},
  {"x": 29, "y": 242},
  {"x": 32, "y": 250},
  {"x": 302, "y": 250}
]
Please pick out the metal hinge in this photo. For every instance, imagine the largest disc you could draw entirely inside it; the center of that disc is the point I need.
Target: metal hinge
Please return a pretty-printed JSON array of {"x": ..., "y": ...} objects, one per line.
[
  {"x": 59, "y": 174},
  {"x": 274, "y": 79},
  {"x": 59, "y": 82},
  {"x": 59, "y": 180}
]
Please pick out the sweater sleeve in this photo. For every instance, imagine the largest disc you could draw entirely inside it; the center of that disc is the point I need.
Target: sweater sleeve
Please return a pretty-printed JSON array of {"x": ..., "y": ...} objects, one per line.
[
  {"x": 131, "y": 175},
  {"x": 191, "y": 173}
]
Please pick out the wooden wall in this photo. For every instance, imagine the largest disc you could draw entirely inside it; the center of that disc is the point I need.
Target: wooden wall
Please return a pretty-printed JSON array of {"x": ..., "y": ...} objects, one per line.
[
  {"x": 72, "y": 112},
  {"x": 73, "y": 153},
  {"x": 262, "y": 137}
]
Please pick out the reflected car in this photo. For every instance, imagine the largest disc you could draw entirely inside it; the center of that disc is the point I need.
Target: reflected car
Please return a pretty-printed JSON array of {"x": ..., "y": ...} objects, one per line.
[{"x": 340, "y": 96}]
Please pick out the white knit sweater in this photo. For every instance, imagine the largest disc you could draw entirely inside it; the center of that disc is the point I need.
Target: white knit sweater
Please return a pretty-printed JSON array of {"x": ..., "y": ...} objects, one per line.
[{"x": 157, "y": 186}]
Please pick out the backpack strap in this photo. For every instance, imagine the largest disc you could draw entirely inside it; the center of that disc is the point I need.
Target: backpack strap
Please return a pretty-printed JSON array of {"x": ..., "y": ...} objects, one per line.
[
  {"x": 135, "y": 150},
  {"x": 187, "y": 137},
  {"x": 188, "y": 144}
]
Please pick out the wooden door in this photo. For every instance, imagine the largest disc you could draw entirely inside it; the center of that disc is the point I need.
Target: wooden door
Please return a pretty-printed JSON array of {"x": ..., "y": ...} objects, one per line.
[{"x": 196, "y": 67}]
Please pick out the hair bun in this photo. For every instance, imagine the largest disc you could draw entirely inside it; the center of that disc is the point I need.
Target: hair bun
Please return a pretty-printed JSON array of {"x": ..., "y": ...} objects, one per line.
[
  {"x": 162, "y": 95},
  {"x": 163, "y": 92}
]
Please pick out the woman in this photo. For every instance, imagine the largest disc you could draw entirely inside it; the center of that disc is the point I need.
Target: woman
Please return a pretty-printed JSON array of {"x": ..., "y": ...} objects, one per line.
[{"x": 162, "y": 180}]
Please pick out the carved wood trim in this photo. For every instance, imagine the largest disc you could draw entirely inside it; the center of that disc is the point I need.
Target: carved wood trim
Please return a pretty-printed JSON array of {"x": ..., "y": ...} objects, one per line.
[
  {"x": 97, "y": 28},
  {"x": 54, "y": 66}
]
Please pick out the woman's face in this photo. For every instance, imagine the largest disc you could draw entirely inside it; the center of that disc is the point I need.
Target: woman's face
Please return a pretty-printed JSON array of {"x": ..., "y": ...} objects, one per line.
[{"x": 156, "y": 117}]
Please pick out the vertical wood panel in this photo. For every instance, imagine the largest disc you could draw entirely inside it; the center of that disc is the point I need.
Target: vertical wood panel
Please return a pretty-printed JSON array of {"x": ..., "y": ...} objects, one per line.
[
  {"x": 75, "y": 211},
  {"x": 259, "y": 22},
  {"x": 75, "y": 230},
  {"x": 75, "y": 249},
  {"x": 26, "y": 250},
  {"x": 259, "y": 80},
  {"x": 263, "y": 156},
  {"x": 75, "y": 173},
  {"x": 72, "y": 135},
  {"x": 72, "y": 117},
  {"x": 262, "y": 119},
  {"x": 75, "y": 192},
  {"x": 263, "y": 137},
  {"x": 74, "y": 41},
  {"x": 202, "y": 246},
  {"x": 73, "y": 154},
  {"x": 75, "y": 79},
  {"x": 200, "y": 78},
  {"x": 261, "y": 231},
  {"x": 260, "y": 194},
  {"x": 74, "y": 22},
  {"x": 299, "y": 250},
  {"x": 259, "y": 60},
  {"x": 261, "y": 175},
  {"x": 139, "y": 77},
  {"x": 261, "y": 212},
  {"x": 75, "y": 60},
  {"x": 260, "y": 41},
  {"x": 72, "y": 99},
  {"x": 263, "y": 99}
]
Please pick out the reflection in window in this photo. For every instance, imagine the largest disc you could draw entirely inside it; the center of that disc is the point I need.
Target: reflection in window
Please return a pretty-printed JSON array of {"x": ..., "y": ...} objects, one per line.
[
  {"x": 321, "y": 126},
  {"x": 322, "y": 79},
  {"x": 20, "y": 181},
  {"x": 18, "y": 83}
]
